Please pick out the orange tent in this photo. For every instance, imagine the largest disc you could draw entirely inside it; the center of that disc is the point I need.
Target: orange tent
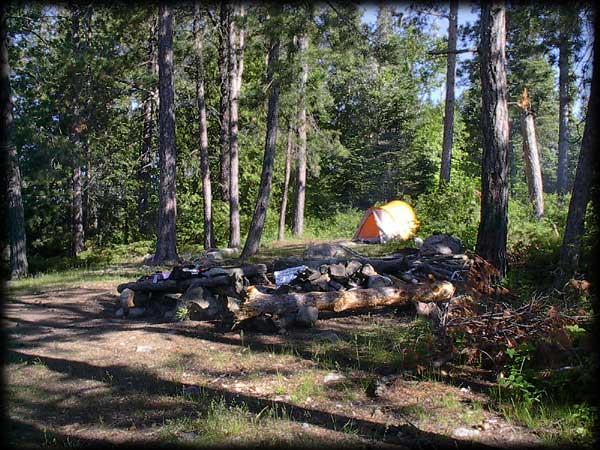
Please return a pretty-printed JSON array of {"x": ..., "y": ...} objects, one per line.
[{"x": 393, "y": 220}]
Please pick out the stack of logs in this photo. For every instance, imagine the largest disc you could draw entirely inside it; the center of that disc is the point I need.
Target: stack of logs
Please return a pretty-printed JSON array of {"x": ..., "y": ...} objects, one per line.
[{"x": 247, "y": 294}]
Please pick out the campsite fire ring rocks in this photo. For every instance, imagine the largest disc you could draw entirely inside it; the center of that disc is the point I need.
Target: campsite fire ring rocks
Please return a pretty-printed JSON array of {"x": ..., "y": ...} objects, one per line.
[{"x": 246, "y": 296}]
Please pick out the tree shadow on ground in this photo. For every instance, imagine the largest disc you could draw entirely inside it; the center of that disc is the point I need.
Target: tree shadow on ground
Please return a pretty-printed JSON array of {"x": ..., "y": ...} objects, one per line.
[{"x": 146, "y": 387}]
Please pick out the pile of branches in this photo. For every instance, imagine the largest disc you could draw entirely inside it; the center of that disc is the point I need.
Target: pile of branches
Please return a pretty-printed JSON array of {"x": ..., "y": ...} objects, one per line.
[{"x": 485, "y": 329}]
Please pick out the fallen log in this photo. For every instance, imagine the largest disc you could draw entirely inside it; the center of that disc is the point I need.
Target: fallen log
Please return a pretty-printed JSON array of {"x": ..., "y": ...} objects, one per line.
[{"x": 258, "y": 303}]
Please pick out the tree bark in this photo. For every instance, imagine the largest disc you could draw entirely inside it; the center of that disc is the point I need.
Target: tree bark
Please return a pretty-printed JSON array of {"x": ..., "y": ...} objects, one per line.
[
  {"x": 146, "y": 148},
  {"x": 563, "y": 111},
  {"x": 286, "y": 183},
  {"x": 258, "y": 303},
  {"x": 203, "y": 133},
  {"x": 75, "y": 138},
  {"x": 262, "y": 202},
  {"x": 166, "y": 245},
  {"x": 300, "y": 191},
  {"x": 492, "y": 233},
  {"x": 14, "y": 202},
  {"x": 586, "y": 169},
  {"x": 533, "y": 169},
  {"x": 234, "y": 213},
  {"x": 224, "y": 101},
  {"x": 449, "y": 106}
]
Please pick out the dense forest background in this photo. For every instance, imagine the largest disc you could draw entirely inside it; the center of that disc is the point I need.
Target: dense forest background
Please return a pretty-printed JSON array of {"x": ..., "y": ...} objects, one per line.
[{"x": 374, "y": 120}]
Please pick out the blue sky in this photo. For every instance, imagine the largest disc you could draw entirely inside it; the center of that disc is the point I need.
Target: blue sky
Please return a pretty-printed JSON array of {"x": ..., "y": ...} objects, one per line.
[{"x": 466, "y": 15}]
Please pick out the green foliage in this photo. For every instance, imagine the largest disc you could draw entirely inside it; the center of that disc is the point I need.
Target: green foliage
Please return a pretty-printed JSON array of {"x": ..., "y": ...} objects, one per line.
[
  {"x": 519, "y": 381},
  {"x": 453, "y": 209}
]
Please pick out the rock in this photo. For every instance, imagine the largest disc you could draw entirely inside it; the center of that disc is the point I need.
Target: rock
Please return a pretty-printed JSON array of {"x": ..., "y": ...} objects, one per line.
[
  {"x": 376, "y": 281},
  {"x": 148, "y": 259},
  {"x": 233, "y": 304},
  {"x": 445, "y": 244},
  {"x": 201, "y": 304},
  {"x": 126, "y": 299},
  {"x": 462, "y": 432},
  {"x": 143, "y": 348},
  {"x": 325, "y": 251},
  {"x": 137, "y": 311},
  {"x": 307, "y": 316},
  {"x": 429, "y": 310},
  {"x": 120, "y": 312},
  {"x": 368, "y": 270},
  {"x": 332, "y": 376},
  {"x": 169, "y": 314}
]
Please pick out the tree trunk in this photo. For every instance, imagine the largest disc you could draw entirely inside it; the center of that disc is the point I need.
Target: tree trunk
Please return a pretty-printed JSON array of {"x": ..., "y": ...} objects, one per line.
[
  {"x": 203, "y": 133},
  {"x": 234, "y": 205},
  {"x": 586, "y": 169},
  {"x": 533, "y": 169},
  {"x": 262, "y": 202},
  {"x": 563, "y": 123},
  {"x": 75, "y": 138},
  {"x": 300, "y": 190},
  {"x": 146, "y": 148},
  {"x": 224, "y": 101},
  {"x": 449, "y": 107},
  {"x": 258, "y": 303},
  {"x": 286, "y": 183},
  {"x": 166, "y": 245},
  {"x": 14, "y": 202},
  {"x": 492, "y": 233}
]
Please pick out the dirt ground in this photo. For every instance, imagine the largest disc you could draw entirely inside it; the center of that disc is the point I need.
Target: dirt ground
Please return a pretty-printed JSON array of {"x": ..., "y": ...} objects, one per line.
[{"x": 77, "y": 375}]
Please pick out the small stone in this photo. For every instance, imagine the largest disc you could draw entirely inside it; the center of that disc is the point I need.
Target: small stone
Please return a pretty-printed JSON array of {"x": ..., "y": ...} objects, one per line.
[
  {"x": 465, "y": 432},
  {"x": 332, "y": 376},
  {"x": 143, "y": 348},
  {"x": 169, "y": 314},
  {"x": 466, "y": 390},
  {"x": 120, "y": 312},
  {"x": 305, "y": 425},
  {"x": 378, "y": 412}
]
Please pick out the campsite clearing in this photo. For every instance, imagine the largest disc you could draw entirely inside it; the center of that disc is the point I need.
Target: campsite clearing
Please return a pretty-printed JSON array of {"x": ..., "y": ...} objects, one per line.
[{"x": 78, "y": 375}]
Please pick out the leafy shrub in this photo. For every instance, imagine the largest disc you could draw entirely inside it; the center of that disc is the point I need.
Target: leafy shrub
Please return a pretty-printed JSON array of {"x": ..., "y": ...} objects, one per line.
[{"x": 453, "y": 209}]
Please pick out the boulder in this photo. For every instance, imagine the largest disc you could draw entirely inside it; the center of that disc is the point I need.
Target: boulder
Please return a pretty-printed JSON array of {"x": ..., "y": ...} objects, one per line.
[
  {"x": 325, "y": 251},
  {"x": 376, "y": 281},
  {"x": 307, "y": 316},
  {"x": 201, "y": 304},
  {"x": 445, "y": 244}
]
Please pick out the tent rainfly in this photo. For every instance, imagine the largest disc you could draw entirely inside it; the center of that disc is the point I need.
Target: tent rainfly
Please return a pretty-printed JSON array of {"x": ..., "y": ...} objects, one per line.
[{"x": 394, "y": 220}]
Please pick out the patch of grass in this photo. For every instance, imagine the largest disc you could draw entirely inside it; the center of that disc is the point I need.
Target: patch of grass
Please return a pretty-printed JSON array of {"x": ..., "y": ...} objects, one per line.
[
  {"x": 69, "y": 278},
  {"x": 556, "y": 423},
  {"x": 310, "y": 385}
]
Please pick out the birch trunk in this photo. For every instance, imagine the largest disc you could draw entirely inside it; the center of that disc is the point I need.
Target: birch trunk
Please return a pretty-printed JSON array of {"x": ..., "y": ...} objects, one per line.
[
  {"x": 300, "y": 190},
  {"x": 286, "y": 183},
  {"x": 166, "y": 244},
  {"x": 262, "y": 202},
  {"x": 203, "y": 133},
  {"x": 234, "y": 214},
  {"x": 493, "y": 226},
  {"x": 449, "y": 106}
]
